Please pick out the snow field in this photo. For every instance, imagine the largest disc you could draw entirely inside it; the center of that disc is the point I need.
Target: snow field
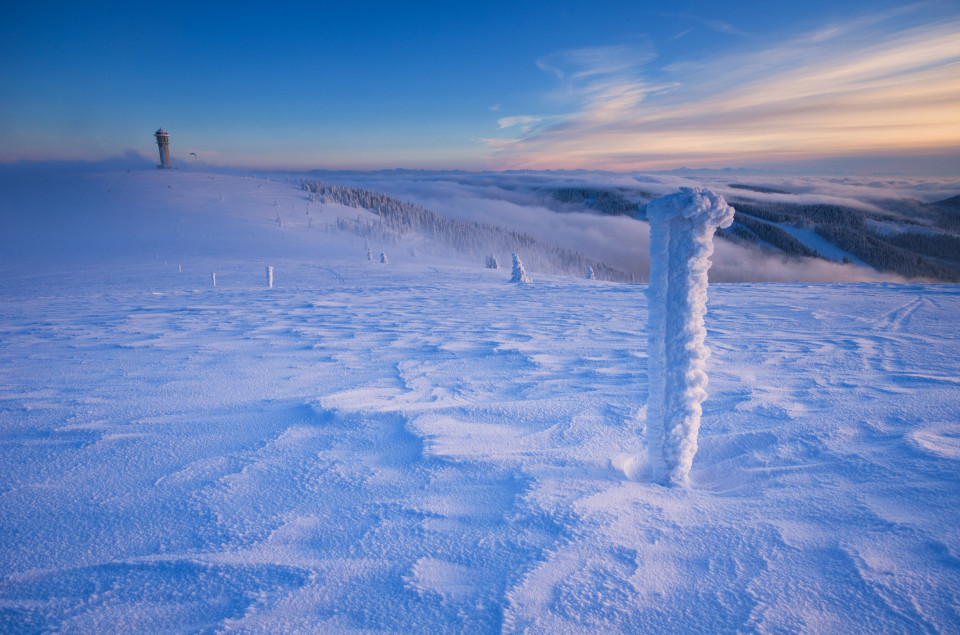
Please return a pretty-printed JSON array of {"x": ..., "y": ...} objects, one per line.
[{"x": 424, "y": 447}]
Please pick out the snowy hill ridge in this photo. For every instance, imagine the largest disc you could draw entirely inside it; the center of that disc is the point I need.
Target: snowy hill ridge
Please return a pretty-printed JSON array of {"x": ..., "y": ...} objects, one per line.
[
  {"x": 918, "y": 248},
  {"x": 452, "y": 237},
  {"x": 422, "y": 446}
]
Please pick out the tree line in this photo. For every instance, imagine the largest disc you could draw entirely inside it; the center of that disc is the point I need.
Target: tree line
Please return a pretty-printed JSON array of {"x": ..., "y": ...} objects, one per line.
[{"x": 400, "y": 218}]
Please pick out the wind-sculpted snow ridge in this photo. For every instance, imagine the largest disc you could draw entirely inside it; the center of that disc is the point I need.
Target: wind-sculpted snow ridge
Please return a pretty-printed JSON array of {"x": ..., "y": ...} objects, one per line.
[
  {"x": 398, "y": 219},
  {"x": 681, "y": 243}
]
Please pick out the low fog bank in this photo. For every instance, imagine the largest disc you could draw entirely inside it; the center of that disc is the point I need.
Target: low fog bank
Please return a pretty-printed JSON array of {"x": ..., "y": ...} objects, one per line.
[
  {"x": 855, "y": 191},
  {"x": 49, "y": 216},
  {"x": 617, "y": 240},
  {"x": 522, "y": 201},
  {"x": 734, "y": 263}
]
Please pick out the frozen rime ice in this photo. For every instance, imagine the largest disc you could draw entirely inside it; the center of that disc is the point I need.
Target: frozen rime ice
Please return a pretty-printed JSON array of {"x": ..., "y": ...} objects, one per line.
[
  {"x": 681, "y": 243},
  {"x": 519, "y": 273}
]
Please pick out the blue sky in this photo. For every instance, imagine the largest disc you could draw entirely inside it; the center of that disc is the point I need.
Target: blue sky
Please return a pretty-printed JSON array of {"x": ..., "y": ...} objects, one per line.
[{"x": 496, "y": 85}]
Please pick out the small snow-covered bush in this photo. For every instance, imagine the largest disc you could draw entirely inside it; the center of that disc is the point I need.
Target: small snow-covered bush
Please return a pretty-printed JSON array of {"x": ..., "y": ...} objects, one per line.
[
  {"x": 383, "y": 258},
  {"x": 492, "y": 262}
]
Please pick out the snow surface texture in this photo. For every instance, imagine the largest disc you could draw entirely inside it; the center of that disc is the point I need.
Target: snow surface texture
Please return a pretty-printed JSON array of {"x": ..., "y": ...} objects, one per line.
[
  {"x": 422, "y": 447},
  {"x": 681, "y": 243}
]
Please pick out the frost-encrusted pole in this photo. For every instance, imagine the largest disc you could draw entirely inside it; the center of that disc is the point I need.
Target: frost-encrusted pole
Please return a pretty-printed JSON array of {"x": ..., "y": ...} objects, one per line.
[
  {"x": 681, "y": 243},
  {"x": 269, "y": 277}
]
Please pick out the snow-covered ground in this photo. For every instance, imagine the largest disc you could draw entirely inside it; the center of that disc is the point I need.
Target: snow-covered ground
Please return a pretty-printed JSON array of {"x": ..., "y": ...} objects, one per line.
[{"x": 421, "y": 446}]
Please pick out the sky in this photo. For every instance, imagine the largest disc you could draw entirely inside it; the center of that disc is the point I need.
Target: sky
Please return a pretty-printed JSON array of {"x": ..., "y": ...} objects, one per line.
[{"x": 838, "y": 85}]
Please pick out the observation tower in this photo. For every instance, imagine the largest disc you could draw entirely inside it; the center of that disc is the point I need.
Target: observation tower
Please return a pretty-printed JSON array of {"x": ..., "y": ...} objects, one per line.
[{"x": 163, "y": 142}]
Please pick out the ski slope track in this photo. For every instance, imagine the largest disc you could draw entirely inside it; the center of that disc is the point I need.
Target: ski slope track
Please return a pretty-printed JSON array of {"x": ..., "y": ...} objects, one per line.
[{"x": 423, "y": 447}]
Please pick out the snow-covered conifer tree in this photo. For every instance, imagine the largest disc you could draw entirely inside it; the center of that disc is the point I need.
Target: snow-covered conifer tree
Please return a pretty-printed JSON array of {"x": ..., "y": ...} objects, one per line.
[
  {"x": 369, "y": 254},
  {"x": 383, "y": 258},
  {"x": 492, "y": 262},
  {"x": 590, "y": 275},
  {"x": 519, "y": 274}
]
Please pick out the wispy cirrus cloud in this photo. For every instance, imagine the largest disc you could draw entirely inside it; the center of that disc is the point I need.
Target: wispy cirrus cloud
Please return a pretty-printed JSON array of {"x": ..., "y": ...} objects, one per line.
[
  {"x": 861, "y": 87},
  {"x": 720, "y": 26},
  {"x": 584, "y": 63},
  {"x": 524, "y": 121}
]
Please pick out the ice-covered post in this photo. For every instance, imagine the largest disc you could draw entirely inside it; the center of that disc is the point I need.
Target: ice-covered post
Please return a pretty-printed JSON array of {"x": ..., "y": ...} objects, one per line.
[
  {"x": 269, "y": 277},
  {"x": 213, "y": 278},
  {"x": 681, "y": 243}
]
